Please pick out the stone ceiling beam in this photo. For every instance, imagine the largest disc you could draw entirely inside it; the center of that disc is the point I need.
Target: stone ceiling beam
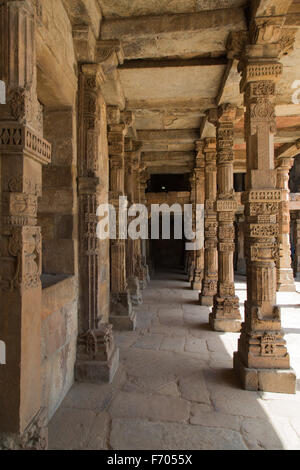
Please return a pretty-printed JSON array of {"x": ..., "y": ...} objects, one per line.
[
  {"x": 143, "y": 25},
  {"x": 170, "y": 135},
  {"x": 199, "y": 104},
  {"x": 175, "y": 35},
  {"x": 288, "y": 150},
  {"x": 282, "y": 136},
  {"x": 162, "y": 63}
]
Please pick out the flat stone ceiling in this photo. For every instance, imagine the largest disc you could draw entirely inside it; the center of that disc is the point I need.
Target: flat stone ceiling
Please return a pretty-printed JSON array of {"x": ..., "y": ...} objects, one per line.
[{"x": 176, "y": 68}]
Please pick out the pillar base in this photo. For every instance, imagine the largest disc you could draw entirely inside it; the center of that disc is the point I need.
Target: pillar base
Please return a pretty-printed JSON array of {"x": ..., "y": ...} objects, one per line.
[
  {"x": 134, "y": 289},
  {"x": 143, "y": 284},
  {"x": 122, "y": 316},
  {"x": 123, "y": 323},
  {"x": 266, "y": 380},
  {"x": 196, "y": 285},
  {"x": 206, "y": 300},
  {"x": 229, "y": 325},
  {"x": 35, "y": 436},
  {"x": 285, "y": 281},
  {"x": 97, "y": 371},
  {"x": 286, "y": 288}
]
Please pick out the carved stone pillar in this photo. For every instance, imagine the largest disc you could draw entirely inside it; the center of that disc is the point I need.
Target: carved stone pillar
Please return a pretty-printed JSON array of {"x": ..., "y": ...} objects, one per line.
[
  {"x": 262, "y": 361},
  {"x": 296, "y": 239},
  {"x": 23, "y": 151},
  {"x": 285, "y": 277},
  {"x": 132, "y": 160},
  {"x": 122, "y": 314},
  {"x": 199, "y": 200},
  {"x": 192, "y": 254},
  {"x": 142, "y": 270},
  {"x": 225, "y": 315},
  {"x": 209, "y": 283},
  {"x": 97, "y": 356}
]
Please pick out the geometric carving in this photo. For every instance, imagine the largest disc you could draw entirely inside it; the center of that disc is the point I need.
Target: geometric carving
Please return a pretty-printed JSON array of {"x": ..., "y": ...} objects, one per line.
[{"x": 16, "y": 138}]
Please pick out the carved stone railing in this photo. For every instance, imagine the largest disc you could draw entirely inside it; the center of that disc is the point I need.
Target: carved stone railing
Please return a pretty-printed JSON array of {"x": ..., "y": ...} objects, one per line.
[{"x": 17, "y": 138}]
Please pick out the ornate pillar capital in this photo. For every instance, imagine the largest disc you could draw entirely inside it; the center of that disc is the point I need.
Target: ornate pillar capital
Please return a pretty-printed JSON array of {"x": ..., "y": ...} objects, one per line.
[{"x": 94, "y": 75}]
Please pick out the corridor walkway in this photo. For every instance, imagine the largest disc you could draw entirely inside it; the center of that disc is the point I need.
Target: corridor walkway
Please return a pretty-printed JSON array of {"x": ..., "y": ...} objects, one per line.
[{"x": 176, "y": 388}]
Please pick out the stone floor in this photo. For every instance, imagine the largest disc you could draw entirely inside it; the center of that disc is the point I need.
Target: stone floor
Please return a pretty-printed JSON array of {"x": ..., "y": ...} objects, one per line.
[{"x": 176, "y": 388}]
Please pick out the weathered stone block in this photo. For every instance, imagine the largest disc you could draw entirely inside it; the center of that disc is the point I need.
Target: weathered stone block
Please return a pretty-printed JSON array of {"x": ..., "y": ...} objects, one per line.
[
  {"x": 267, "y": 380},
  {"x": 57, "y": 201},
  {"x": 97, "y": 371},
  {"x": 222, "y": 324}
]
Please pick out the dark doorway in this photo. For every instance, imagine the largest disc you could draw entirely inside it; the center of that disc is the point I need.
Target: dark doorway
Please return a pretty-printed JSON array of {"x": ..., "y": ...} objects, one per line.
[
  {"x": 167, "y": 254},
  {"x": 168, "y": 182}
]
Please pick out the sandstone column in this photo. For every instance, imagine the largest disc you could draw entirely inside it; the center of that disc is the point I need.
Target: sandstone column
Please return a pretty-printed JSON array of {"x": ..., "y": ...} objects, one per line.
[
  {"x": 23, "y": 151},
  {"x": 296, "y": 238},
  {"x": 225, "y": 315},
  {"x": 97, "y": 356},
  {"x": 209, "y": 283},
  {"x": 241, "y": 262},
  {"x": 191, "y": 255},
  {"x": 285, "y": 277},
  {"x": 199, "y": 200},
  {"x": 122, "y": 314},
  {"x": 262, "y": 361},
  {"x": 142, "y": 270},
  {"x": 132, "y": 165}
]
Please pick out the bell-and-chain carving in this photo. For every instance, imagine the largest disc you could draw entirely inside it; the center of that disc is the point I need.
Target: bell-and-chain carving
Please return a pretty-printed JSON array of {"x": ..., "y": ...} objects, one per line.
[
  {"x": 210, "y": 278},
  {"x": 225, "y": 315}
]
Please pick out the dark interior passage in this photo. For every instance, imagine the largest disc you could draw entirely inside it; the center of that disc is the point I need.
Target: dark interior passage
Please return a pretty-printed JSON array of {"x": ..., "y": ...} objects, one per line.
[{"x": 166, "y": 254}]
